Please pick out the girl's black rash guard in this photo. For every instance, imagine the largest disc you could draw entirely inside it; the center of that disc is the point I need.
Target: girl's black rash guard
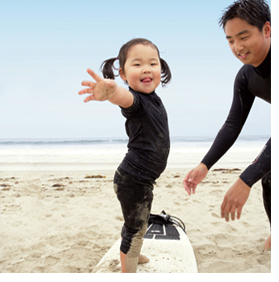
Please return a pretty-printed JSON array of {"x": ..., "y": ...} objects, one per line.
[
  {"x": 250, "y": 82},
  {"x": 149, "y": 141}
]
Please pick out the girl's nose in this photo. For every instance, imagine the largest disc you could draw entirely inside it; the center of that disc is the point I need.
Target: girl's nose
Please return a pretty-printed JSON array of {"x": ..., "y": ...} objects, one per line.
[{"x": 146, "y": 70}]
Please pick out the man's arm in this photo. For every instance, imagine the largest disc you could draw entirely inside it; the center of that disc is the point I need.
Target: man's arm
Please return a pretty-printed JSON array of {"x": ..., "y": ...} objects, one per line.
[
  {"x": 240, "y": 108},
  {"x": 260, "y": 166}
]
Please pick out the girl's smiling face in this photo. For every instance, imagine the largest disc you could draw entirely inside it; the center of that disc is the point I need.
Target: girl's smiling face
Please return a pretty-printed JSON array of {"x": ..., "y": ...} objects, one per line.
[{"x": 142, "y": 69}]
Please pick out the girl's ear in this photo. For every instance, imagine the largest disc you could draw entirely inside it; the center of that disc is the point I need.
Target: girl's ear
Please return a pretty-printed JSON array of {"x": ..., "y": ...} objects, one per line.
[{"x": 122, "y": 74}]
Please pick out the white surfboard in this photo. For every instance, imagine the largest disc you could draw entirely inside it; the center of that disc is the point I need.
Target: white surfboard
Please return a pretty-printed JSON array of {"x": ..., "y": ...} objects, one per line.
[{"x": 166, "y": 245}]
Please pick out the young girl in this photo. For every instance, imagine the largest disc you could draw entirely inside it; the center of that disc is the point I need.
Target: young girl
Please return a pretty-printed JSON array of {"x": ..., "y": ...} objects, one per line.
[{"x": 141, "y": 67}]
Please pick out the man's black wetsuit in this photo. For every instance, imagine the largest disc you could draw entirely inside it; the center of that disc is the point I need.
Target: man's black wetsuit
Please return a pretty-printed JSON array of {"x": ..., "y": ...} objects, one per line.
[{"x": 250, "y": 82}]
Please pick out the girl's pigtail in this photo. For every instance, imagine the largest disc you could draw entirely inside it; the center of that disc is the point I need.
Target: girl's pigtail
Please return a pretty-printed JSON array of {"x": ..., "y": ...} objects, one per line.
[
  {"x": 107, "y": 68},
  {"x": 165, "y": 71}
]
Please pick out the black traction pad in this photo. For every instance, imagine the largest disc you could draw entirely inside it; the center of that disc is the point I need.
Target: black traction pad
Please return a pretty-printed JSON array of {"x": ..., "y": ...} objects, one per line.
[{"x": 164, "y": 231}]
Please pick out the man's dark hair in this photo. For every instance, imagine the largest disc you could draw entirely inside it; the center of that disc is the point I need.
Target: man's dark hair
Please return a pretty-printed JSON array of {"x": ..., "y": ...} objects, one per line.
[{"x": 255, "y": 12}]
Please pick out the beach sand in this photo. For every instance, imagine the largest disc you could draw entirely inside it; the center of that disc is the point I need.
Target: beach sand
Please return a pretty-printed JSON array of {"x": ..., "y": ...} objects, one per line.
[{"x": 62, "y": 222}]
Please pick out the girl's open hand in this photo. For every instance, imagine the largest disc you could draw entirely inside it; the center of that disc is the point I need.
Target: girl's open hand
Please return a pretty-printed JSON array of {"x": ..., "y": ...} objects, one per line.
[{"x": 101, "y": 90}]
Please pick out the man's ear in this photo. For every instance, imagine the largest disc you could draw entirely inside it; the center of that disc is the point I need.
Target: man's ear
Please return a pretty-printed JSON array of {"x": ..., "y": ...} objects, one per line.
[
  {"x": 122, "y": 74},
  {"x": 267, "y": 29}
]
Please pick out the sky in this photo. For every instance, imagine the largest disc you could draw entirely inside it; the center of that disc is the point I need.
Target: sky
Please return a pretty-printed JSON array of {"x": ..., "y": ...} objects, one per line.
[{"x": 46, "y": 47}]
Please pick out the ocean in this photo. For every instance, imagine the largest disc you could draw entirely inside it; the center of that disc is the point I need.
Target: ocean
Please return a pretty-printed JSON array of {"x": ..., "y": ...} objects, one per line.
[{"x": 107, "y": 153}]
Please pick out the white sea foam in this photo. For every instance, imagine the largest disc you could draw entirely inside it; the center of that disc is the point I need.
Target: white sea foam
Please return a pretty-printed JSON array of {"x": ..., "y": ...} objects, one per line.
[{"x": 185, "y": 152}]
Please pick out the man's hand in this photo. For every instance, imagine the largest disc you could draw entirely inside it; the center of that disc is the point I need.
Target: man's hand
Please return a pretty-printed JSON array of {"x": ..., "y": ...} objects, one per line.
[
  {"x": 194, "y": 177},
  {"x": 234, "y": 200},
  {"x": 101, "y": 90}
]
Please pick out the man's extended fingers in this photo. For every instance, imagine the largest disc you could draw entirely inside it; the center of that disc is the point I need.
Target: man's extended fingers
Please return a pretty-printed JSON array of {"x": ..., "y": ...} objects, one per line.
[
  {"x": 239, "y": 210},
  {"x": 94, "y": 75},
  {"x": 235, "y": 199},
  {"x": 225, "y": 210},
  {"x": 226, "y": 215},
  {"x": 232, "y": 211},
  {"x": 189, "y": 187}
]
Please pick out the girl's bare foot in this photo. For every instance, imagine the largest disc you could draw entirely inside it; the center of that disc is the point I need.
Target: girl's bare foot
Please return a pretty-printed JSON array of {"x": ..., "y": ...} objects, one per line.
[
  {"x": 267, "y": 244},
  {"x": 143, "y": 259}
]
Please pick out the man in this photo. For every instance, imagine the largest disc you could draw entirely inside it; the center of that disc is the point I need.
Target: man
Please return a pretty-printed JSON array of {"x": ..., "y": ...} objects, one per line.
[{"x": 248, "y": 30}]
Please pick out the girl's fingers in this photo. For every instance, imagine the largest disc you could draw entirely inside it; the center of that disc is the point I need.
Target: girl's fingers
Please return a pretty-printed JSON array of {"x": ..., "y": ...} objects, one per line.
[
  {"x": 86, "y": 91},
  {"x": 94, "y": 75},
  {"x": 90, "y": 84},
  {"x": 89, "y": 98}
]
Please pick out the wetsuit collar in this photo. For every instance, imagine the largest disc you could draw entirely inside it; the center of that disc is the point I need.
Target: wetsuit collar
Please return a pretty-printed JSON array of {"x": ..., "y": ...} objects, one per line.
[
  {"x": 264, "y": 69},
  {"x": 141, "y": 92}
]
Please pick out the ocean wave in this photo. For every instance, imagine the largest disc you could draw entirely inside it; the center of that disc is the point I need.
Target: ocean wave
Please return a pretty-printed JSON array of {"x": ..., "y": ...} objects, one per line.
[
  {"x": 12, "y": 142},
  {"x": 113, "y": 140}
]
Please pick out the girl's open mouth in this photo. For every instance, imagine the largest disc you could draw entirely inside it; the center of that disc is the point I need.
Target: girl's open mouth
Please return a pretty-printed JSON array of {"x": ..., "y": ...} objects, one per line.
[{"x": 146, "y": 80}]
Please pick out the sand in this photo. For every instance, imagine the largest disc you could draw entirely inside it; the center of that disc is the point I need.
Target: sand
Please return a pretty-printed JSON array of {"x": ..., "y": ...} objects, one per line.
[{"x": 63, "y": 222}]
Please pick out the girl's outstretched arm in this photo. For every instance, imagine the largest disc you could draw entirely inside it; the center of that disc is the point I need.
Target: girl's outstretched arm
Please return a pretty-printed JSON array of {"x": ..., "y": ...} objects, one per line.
[{"x": 106, "y": 89}]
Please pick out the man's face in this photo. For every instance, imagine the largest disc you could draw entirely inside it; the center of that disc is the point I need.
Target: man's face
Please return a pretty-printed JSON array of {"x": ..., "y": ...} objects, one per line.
[{"x": 247, "y": 43}]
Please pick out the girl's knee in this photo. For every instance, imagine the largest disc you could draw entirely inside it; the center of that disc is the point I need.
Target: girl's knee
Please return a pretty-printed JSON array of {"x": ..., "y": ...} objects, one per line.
[{"x": 132, "y": 240}]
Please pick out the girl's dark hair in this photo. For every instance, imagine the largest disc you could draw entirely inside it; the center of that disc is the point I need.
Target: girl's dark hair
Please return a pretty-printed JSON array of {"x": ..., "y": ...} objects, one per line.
[
  {"x": 255, "y": 12},
  {"x": 108, "y": 67}
]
